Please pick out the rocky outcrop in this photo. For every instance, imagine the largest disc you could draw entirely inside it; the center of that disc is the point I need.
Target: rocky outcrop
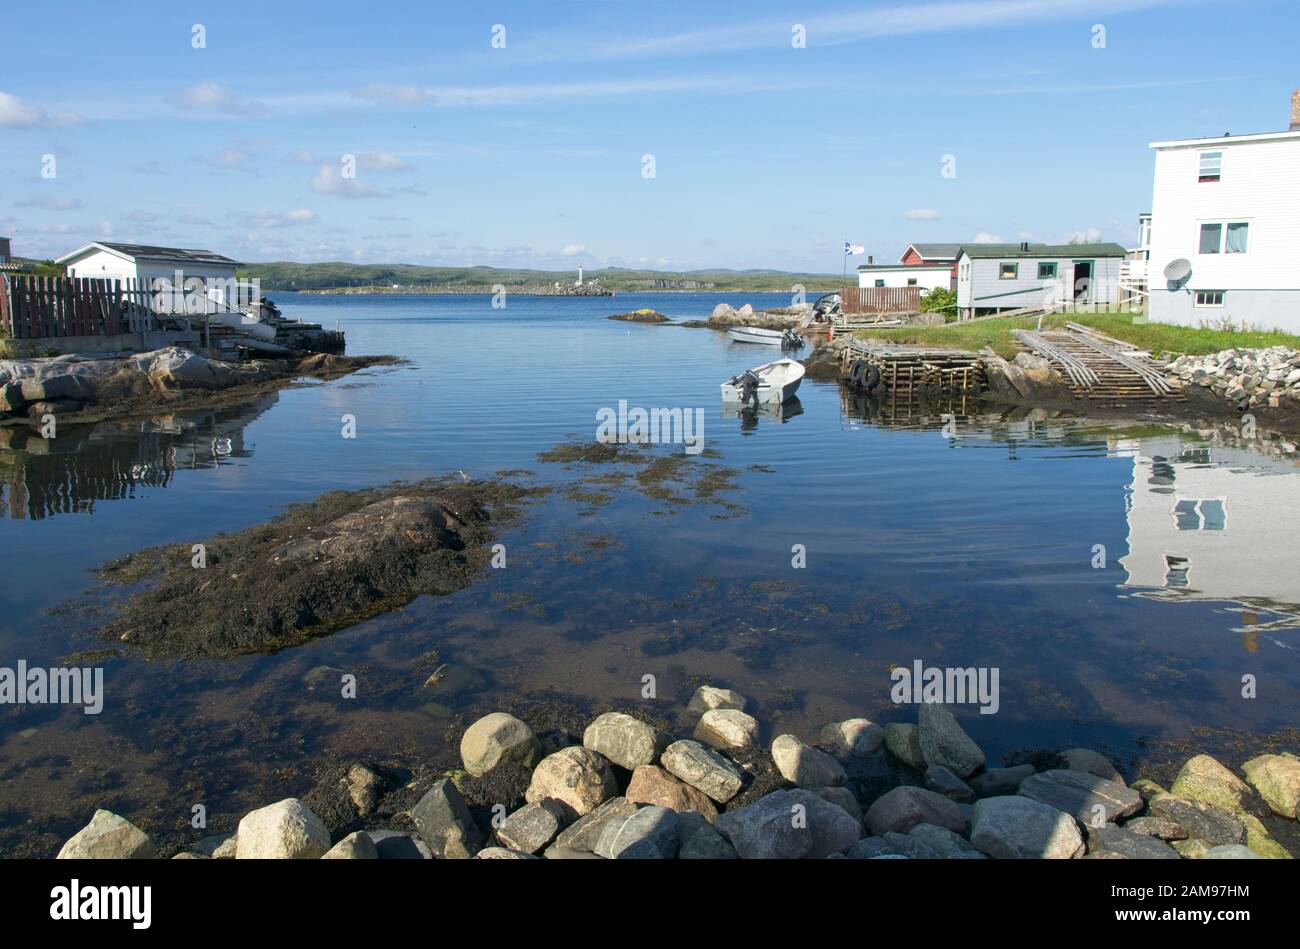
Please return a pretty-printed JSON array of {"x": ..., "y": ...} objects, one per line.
[{"x": 724, "y": 315}]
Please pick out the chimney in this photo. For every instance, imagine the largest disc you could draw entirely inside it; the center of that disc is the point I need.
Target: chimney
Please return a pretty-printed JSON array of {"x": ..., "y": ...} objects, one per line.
[
  {"x": 1295, "y": 111},
  {"x": 1024, "y": 247},
  {"x": 870, "y": 260}
]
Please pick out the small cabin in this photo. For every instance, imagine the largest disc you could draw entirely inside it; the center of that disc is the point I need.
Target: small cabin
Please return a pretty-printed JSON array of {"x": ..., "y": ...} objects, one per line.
[{"x": 996, "y": 277}]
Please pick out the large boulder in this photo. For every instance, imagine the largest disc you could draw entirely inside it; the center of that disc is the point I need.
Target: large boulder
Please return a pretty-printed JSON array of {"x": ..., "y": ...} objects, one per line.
[
  {"x": 1128, "y": 843},
  {"x": 443, "y": 819},
  {"x": 624, "y": 740},
  {"x": 1085, "y": 759},
  {"x": 532, "y": 827},
  {"x": 498, "y": 738},
  {"x": 110, "y": 837},
  {"x": 286, "y": 830},
  {"x": 651, "y": 784},
  {"x": 805, "y": 766},
  {"x": 1204, "y": 779},
  {"x": 788, "y": 825},
  {"x": 944, "y": 742},
  {"x": 903, "y": 741},
  {"x": 853, "y": 738},
  {"x": 727, "y": 729},
  {"x": 903, "y": 808},
  {"x": 945, "y": 844},
  {"x": 578, "y": 778},
  {"x": 649, "y": 834},
  {"x": 1199, "y": 821},
  {"x": 1277, "y": 779},
  {"x": 583, "y": 834},
  {"x": 1022, "y": 828},
  {"x": 703, "y": 768},
  {"x": 1092, "y": 801},
  {"x": 700, "y": 840},
  {"x": 355, "y": 846}
]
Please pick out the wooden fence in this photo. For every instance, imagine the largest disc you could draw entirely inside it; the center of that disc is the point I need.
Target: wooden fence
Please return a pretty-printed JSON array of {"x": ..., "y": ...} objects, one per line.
[
  {"x": 858, "y": 300},
  {"x": 46, "y": 307}
]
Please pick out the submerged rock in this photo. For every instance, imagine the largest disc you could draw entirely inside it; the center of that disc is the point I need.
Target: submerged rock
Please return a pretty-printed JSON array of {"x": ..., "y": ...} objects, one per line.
[
  {"x": 709, "y": 697},
  {"x": 854, "y": 738}
]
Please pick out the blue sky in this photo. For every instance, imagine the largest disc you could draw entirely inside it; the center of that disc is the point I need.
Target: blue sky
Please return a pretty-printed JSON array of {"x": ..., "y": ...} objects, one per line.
[{"x": 765, "y": 155}]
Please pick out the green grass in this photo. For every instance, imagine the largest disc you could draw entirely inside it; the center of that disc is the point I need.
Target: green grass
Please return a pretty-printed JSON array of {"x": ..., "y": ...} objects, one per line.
[{"x": 1160, "y": 339}]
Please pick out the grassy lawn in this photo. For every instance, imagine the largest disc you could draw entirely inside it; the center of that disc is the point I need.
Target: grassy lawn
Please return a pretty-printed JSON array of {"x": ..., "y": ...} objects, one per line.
[{"x": 1158, "y": 338}]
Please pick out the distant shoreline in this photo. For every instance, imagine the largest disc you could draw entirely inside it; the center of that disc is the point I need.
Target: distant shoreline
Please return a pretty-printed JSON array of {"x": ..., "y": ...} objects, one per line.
[{"x": 522, "y": 291}]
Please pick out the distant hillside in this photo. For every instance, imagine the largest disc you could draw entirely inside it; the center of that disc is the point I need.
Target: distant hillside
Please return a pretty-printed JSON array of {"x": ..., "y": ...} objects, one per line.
[{"x": 409, "y": 277}]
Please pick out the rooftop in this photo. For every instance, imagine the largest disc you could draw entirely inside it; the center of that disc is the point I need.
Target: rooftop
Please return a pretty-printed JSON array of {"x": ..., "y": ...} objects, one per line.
[
  {"x": 936, "y": 251},
  {"x": 154, "y": 252},
  {"x": 1228, "y": 139},
  {"x": 984, "y": 251}
]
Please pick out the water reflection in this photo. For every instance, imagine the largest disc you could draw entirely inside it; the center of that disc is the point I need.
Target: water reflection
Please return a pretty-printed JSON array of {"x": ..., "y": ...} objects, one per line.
[
  {"x": 110, "y": 461},
  {"x": 750, "y": 416},
  {"x": 1213, "y": 521}
]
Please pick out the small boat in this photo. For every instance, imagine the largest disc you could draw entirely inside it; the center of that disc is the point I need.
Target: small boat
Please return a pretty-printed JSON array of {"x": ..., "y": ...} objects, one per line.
[
  {"x": 769, "y": 384},
  {"x": 756, "y": 334}
]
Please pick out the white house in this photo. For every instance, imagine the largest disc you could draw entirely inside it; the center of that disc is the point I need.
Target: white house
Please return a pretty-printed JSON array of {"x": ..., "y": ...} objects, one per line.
[
  {"x": 172, "y": 275},
  {"x": 925, "y": 276},
  {"x": 1225, "y": 235},
  {"x": 992, "y": 277}
]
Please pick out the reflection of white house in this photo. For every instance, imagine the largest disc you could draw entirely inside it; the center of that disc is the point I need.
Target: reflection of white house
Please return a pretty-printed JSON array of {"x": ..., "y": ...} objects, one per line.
[
  {"x": 1213, "y": 523},
  {"x": 1227, "y": 210},
  {"x": 993, "y": 277}
]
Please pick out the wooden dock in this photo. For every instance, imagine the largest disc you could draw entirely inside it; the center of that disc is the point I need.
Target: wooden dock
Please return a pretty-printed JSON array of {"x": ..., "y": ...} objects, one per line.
[
  {"x": 912, "y": 369},
  {"x": 1100, "y": 368}
]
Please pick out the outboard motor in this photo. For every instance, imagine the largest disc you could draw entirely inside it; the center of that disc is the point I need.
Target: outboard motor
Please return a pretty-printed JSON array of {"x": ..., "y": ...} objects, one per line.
[
  {"x": 792, "y": 339},
  {"x": 748, "y": 383}
]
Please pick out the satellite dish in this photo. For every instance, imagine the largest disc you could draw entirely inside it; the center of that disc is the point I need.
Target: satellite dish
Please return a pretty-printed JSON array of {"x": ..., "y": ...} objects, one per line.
[{"x": 1176, "y": 271}]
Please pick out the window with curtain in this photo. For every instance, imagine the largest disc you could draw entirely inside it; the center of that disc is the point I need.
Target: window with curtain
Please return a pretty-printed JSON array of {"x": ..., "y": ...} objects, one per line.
[
  {"x": 1238, "y": 237},
  {"x": 1211, "y": 235}
]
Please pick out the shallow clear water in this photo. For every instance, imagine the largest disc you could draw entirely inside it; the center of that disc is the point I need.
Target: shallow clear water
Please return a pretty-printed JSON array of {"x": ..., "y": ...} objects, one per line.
[{"x": 976, "y": 550}]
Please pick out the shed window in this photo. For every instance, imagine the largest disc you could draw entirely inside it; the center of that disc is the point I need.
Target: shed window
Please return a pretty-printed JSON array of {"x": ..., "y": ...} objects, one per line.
[
  {"x": 1008, "y": 271},
  {"x": 1211, "y": 234},
  {"x": 879, "y": 282},
  {"x": 1209, "y": 298},
  {"x": 911, "y": 281},
  {"x": 1047, "y": 271},
  {"x": 1211, "y": 166}
]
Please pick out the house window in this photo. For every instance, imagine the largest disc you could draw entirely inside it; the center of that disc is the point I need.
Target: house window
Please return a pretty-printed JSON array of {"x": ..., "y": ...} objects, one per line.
[
  {"x": 1209, "y": 298},
  {"x": 880, "y": 283},
  {"x": 1211, "y": 234},
  {"x": 1047, "y": 271},
  {"x": 911, "y": 281},
  {"x": 1238, "y": 236},
  {"x": 1008, "y": 271},
  {"x": 1211, "y": 166}
]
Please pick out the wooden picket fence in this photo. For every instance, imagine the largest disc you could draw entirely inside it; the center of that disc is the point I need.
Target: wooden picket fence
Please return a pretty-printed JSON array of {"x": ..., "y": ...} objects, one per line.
[
  {"x": 46, "y": 307},
  {"x": 856, "y": 300}
]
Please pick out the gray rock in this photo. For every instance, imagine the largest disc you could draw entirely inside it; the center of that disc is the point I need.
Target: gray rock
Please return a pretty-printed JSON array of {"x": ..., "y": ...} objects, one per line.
[
  {"x": 1199, "y": 821},
  {"x": 397, "y": 845},
  {"x": 210, "y": 845},
  {"x": 997, "y": 782},
  {"x": 903, "y": 741},
  {"x": 624, "y": 740},
  {"x": 905, "y": 845},
  {"x": 585, "y": 832},
  {"x": 942, "y": 781},
  {"x": 1156, "y": 827},
  {"x": 1230, "y": 852},
  {"x": 286, "y": 830},
  {"x": 355, "y": 846},
  {"x": 1087, "y": 760},
  {"x": 903, "y": 808},
  {"x": 853, "y": 738},
  {"x": 110, "y": 837},
  {"x": 1091, "y": 800},
  {"x": 1129, "y": 844},
  {"x": 703, "y": 768},
  {"x": 944, "y": 742},
  {"x": 841, "y": 797},
  {"x": 442, "y": 817},
  {"x": 364, "y": 788},
  {"x": 578, "y": 778},
  {"x": 805, "y": 766},
  {"x": 503, "y": 853},
  {"x": 649, "y": 834},
  {"x": 727, "y": 729},
  {"x": 651, "y": 784},
  {"x": 1277, "y": 779},
  {"x": 1204, "y": 779},
  {"x": 556, "y": 852},
  {"x": 945, "y": 844},
  {"x": 1016, "y": 827},
  {"x": 532, "y": 827},
  {"x": 700, "y": 840},
  {"x": 708, "y": 697},
  {"x": 498, "y": 738},
  {"x": 788, "y": 825},
  {"x": 870, "y": 848}
]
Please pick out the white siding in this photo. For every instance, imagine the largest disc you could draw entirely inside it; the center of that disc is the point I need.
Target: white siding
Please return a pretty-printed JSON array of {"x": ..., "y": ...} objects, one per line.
[
  {"x": 1260, "y": 184},
  {"x": 986, "y": 290},
  {"x": 100, "y": 263},
  {"x": 927, "y": 278}
]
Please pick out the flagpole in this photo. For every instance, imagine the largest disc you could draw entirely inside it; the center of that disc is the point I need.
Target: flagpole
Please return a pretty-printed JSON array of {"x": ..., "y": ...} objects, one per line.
[{"x": 844, "y": 266}]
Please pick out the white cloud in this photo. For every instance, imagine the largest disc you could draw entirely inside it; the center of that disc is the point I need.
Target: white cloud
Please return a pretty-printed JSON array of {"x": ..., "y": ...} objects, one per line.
[
  {"x": 984, "y": 237},
  {"x": 329, "y": 180},
  {"x": 229, "y": 159},
  {"x": 922, "y": 214},
  {"x": 49, "y": 203},
  {"x": 15, "y": 113},
  {"x": 524, "y": 93},
  {"x": 381, "y": 161},
  {"x": 572, "y": 250},
  {"x": 284, "y": 218},
  {"x": 216, "y": 98},
  {"x": 1088, "y": 235}
]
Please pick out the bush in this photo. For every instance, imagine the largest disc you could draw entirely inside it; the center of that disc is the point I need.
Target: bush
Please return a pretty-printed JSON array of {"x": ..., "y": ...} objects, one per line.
[{"x": 939, "y": 300}]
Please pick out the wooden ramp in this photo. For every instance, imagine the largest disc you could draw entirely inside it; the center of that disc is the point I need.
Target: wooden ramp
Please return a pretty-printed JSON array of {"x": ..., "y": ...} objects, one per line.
[{"x": 1100, "y": 368}]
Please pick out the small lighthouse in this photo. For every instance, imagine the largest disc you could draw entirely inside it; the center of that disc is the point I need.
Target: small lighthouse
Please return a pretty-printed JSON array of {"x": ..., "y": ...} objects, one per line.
[{"x": 579, "y": 275}]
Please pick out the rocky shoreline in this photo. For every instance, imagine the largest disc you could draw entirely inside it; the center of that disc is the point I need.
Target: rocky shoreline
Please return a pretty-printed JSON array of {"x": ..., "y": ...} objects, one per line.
[
  {"x": 84, "y": 389},
  {"x": 626, "y": 789}
]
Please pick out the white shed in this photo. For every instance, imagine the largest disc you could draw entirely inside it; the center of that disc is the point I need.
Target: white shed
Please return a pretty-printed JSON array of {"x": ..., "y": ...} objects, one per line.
[
  {"x": 925, "y": 276},
  {"x": 992, "y": 277},
  {"x": 144, "y": 262}
]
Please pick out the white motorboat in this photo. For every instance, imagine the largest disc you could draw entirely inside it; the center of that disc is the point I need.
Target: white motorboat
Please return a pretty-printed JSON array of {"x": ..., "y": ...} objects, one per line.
[
  {"x": 769, "y": 384},
  {"x": 756, "y": 334}
]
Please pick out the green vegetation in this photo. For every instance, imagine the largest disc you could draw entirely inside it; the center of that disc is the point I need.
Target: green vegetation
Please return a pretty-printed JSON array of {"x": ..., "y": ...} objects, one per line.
[
  {"x": 412, "y": 278},
  {"x": 939, "y": 300},
  {"x": 1157, "y": 338},
  {"x": 38, "y": 268}
]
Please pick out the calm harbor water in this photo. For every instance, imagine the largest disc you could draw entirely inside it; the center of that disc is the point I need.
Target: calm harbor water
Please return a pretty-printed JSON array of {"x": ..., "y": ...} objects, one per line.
[{"x": 1122, "y": 578}]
